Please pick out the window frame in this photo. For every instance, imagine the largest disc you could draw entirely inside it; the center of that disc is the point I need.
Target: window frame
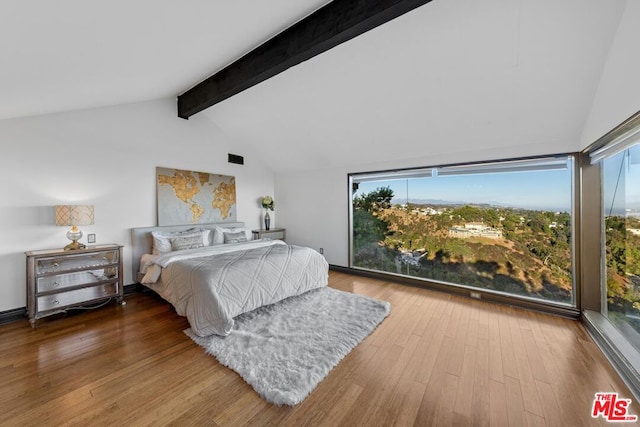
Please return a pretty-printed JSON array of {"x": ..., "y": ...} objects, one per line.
[{"x": 570, "y": 310}]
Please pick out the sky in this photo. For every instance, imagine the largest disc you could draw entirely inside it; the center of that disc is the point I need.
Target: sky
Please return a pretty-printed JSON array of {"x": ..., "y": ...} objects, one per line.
[{"x": 535, "y": 190}]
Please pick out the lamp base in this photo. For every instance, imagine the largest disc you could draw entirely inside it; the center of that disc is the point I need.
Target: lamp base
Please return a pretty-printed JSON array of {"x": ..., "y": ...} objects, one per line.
[
  {"x": 74, "y": 246},
  {"x": 74, "y": 235}
]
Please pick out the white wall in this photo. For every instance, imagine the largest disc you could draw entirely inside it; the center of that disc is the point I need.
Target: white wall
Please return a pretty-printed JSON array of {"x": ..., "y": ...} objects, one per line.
[
  {"x": 618, "y": 95},
  {"x": 105, "y": 157},
  {"x": 313, "y": 207}
]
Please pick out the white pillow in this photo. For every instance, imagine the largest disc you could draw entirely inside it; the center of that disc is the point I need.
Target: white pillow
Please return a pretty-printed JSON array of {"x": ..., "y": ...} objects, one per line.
[
  {"x": 162, "y": 239},
  {"x": 218, "y": 233}
]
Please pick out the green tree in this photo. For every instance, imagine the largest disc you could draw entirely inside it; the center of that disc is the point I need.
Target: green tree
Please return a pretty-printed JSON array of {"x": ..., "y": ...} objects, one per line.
[
  {"x": 491, "y": 217},
  {"x": 469, "y": 213},
  {"x": 374, "y": 201},
  {"x": 539, "y": 223},
  {"x": 509, "y": 225},
  {"x": 368, "y": 227}
]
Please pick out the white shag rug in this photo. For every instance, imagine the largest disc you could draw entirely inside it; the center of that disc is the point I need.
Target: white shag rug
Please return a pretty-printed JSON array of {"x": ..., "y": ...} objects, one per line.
[{"x": 285, "y": 349}]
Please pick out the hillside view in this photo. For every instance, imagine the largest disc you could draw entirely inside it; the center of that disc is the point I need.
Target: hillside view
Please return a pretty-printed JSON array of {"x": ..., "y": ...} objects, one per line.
[
  {"x": 518, "y": 251},
  {"x": 623, "y": 271}
]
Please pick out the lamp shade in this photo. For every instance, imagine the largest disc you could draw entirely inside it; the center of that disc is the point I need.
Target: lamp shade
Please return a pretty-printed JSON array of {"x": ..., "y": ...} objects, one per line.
[{"x": 69, "y": 215}]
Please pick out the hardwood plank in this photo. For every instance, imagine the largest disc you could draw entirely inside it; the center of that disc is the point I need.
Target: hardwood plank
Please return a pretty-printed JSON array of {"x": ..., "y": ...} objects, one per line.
[
  {"x": 524, "y": 374},
  {"x": 515, "y": 402},
  {"x": 443, "y": 410},
  {"x": 409, "y": 400},
  {"x": 459, "y": 336},
  {"x": 337, "y": 413},
  {"x": 466, "y": 380},
  {"x": 549, "y": 402},
  {"x": 481, "y": 404},
  {"x": 374, "y": 384},
  {"x": 498, "y": 414},
  {"x": 433, "y": 395},
  {"x": 430, "y": 348},
  {"x": 387, "y": 397},
  {"x": 496, "y": 366},
  {"x": 438, "y": 359},
  {"x": 509, "y": 362}
]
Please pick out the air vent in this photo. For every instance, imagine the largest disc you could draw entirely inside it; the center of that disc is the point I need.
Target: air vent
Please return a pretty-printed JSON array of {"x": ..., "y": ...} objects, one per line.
[{"x": 234, "y": 158}]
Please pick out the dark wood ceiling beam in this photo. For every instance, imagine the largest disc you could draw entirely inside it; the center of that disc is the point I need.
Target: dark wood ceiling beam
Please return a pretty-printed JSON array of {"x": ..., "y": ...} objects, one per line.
[{"x": 329, "y": 26}]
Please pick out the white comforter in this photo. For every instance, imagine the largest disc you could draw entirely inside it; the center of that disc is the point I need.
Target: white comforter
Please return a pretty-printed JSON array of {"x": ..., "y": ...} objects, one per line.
[{"x": 212, "y": 285}]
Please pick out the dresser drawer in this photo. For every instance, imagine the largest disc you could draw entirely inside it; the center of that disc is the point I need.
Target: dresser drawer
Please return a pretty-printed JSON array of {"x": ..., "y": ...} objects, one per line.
[
  {"x": 80, "y": 261},
  {"x": 64, "y": 299},
  {"x": 67, "y": 280}
]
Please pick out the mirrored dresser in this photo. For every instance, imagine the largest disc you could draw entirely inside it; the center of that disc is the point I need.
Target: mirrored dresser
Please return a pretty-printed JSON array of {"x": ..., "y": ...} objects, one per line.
[{"x": 59, "y": 280}]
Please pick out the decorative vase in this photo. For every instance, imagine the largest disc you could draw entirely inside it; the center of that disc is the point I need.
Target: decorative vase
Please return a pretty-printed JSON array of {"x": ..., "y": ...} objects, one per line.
[{"x": 267, "y": 220}]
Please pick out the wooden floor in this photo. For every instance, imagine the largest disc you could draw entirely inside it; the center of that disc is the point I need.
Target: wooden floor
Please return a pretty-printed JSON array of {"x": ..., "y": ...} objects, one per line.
[{"x": 436, "y": 360}]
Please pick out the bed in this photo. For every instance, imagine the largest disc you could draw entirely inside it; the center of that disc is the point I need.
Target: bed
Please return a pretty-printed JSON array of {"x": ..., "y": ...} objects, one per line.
[{"x": 211, "y": 273}]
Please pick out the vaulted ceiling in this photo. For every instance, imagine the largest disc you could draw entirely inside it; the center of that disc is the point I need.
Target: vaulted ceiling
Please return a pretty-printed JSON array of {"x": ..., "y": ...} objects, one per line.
[{"x": 451, "y": 76}]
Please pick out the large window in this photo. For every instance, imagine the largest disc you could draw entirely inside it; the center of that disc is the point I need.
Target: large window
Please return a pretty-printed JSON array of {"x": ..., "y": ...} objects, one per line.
[
  {"x": 621, "y": 219},
  {"x": 610, "y": 247},
  {"x": 502, "y": 227}
]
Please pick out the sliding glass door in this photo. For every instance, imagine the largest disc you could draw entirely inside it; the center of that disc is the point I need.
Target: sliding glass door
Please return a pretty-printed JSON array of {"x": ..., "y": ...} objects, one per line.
[{"x": 503, "y": 227}]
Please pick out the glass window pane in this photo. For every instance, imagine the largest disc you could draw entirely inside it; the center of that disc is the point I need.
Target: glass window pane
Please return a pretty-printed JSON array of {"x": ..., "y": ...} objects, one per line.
[
  {"x": 621, "y": 203},
  {"x": 503, "y": 227}
]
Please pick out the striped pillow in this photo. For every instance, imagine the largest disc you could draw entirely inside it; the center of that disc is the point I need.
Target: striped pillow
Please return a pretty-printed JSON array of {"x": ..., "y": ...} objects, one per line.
[{"x": 188, "y": 241}]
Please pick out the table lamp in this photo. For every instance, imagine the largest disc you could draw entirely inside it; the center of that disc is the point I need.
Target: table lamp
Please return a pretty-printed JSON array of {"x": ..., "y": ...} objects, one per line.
[{"x": 74, "y": 215}]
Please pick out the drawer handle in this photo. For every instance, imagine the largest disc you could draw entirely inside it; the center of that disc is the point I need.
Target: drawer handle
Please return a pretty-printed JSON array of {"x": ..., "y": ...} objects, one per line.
[
  {"x": 55, "y": 302},
  {"x": 55, "y": 284}
]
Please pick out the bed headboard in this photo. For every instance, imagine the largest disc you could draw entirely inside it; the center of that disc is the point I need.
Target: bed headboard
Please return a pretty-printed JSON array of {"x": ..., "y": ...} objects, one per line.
[{"x": 141, "y": 240}]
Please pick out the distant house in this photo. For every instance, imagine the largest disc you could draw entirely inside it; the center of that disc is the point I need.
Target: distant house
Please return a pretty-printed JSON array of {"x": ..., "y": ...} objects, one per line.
[
  {"x": 426, "y": 211},
  {"x": 475, "y": 229}
]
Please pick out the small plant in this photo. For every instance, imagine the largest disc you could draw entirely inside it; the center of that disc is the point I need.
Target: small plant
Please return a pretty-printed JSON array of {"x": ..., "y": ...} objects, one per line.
[{"x": 268, "y": 203}]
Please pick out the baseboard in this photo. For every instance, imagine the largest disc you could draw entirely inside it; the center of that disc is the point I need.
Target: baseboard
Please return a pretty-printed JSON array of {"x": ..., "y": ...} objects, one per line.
[
  {"x": 341, "y": 269},
  {"x": 21, "y": 313},
  {"x": 13, "y": 315},
  {"x": 132, "y": 288}
]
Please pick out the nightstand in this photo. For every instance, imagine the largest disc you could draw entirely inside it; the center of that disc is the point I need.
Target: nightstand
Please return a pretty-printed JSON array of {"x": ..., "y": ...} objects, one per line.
[
  {"x": 59, "y": 280},
  {"x": 272, "y": 233}
]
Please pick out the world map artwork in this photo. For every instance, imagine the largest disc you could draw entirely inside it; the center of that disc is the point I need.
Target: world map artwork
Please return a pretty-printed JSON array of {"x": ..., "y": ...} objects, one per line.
[{"x": 188, "y": 197}]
